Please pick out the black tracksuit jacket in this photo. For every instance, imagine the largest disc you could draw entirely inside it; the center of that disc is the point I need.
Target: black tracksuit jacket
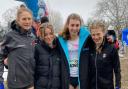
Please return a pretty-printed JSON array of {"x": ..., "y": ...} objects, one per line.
[{"x": 103, "y": 65}]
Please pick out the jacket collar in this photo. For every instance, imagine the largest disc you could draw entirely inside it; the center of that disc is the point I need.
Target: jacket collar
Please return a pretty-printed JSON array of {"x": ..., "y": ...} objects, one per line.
[
  {"x": 102, "y": 46},
  {"x": 17, "y": 28}
]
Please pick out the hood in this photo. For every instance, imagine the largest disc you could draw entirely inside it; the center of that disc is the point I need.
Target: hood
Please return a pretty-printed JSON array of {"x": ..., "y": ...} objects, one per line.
[
  {"x": 16, "y": 27},
  {"x": 13, "y": 24}
]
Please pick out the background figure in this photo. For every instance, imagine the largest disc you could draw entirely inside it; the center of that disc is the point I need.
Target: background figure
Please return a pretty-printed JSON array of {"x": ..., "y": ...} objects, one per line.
[
  {"x": 32, "y": 5},
  {"x": 44, "y": 19},
  {"x": 104, "y": 59},
  {"x": 47, "y": 56},
  {"x": 112, "y": 39},
  {"x": 18, "y": 47},
  {"x": 42, "y": 8},
  {"x": 74, "y": 44},
  {"x": 36, "y": 26},
  {"x": 38, "y": 7}
]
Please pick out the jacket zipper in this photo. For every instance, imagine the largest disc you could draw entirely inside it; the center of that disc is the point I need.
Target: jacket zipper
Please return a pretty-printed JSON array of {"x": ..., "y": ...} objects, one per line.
[
  {"x": 15, "y": 79},
  {"x": 96, "y": 68},
  {"x": 15, "y": 74}
]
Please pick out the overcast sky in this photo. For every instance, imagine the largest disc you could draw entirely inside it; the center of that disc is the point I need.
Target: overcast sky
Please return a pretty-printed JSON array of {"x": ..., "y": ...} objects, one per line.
[{"x": 83, "y": 7}]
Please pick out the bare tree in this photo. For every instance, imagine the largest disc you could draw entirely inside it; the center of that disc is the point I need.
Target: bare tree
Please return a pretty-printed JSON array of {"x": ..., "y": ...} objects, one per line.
[
  {"x": 2, "y": 32},
  {"x": 56, "y": 20},
  {"x": 9, "y": 15},
  {"x": 114, "y": 11},
  {"x": 54, "y": 17}
]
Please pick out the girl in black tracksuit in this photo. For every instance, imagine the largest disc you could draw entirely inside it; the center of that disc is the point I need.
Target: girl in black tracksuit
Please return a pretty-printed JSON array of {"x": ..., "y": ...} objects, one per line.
[
  {"x": 104, "y": 60},
  {"x": 47, "y": 71}
]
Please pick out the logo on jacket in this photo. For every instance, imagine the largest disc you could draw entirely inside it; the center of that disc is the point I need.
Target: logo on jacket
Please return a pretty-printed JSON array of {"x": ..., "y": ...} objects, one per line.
[
  {"x": 85, "y": 49},
  {"x": 104, "y": 55},
  {"x": 33, "y": 43},
  {"x": 21, "y": 45}
]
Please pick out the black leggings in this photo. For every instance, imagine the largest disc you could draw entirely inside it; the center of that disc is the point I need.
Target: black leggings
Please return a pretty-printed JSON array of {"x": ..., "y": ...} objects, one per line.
[{"x": 74, "y": 81}]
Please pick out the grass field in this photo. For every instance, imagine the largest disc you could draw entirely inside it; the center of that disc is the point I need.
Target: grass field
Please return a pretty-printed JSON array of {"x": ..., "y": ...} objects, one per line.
[{"x": 124, "y": 73}]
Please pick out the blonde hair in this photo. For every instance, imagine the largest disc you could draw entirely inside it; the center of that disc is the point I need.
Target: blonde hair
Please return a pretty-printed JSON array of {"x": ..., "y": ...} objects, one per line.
[
  {"x": 65, "y": 32},
  {"x": 43, "y": 28},
  {"x": 98, "y": 24},
  {"x": 21, "y": 10}
]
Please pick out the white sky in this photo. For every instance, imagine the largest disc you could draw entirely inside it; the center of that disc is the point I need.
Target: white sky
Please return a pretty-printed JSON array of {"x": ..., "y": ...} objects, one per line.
[
  {"x": 84, "y": 8},
  {"x": 6, "y": 4}
]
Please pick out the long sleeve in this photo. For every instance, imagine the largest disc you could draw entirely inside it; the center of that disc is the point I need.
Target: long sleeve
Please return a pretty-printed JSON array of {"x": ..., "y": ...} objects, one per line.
[
  {"x": 117, "y": 70},
  {"x": 3, "y": 55},
  {"x": 1, "y": 69}
]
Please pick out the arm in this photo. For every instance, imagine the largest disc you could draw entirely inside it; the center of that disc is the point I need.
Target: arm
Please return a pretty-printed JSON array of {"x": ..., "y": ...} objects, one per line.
[
  {"x": 36, "y": 57},
  {"x": 6, "y": 63},
  {"x": 1, "y": 69},
  {"x": 117, "y": 70},
  {"x": 3, "y": 55}
]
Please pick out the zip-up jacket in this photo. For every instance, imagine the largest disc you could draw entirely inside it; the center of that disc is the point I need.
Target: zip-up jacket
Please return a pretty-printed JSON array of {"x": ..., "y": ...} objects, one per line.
[
  {"x": 83, "y": 60},
  {"x": 18, "y": 47},
  {"x": 103, "y": 64},
  {"x": 47, "y": 71}
]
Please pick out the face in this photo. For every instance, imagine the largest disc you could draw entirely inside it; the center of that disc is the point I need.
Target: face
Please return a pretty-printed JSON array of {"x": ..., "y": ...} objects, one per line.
[
  {"x": 25, "y": 20},
  {"x": 110, "y": 38},
  {"x": 48, "y": 36},
  {"x": 97, "y": 35},
  {"x": 74, "y": 27}
]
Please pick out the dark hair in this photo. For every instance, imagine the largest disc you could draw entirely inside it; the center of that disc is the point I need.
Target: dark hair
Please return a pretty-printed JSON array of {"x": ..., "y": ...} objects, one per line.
[{"x": 44, "y": 19}]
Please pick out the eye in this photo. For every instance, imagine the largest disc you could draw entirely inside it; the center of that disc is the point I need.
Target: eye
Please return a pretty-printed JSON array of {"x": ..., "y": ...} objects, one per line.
[
  {"x": 72, "y": 25},
  {"x": 93, "y": 34},
  {"x": 77, "y": 25},
  {"x": 47, "y": 34},
  {"x": 23, "y": 18},
  {"x": 98, "y": 34},
  {"x": 29, "y": 18}
]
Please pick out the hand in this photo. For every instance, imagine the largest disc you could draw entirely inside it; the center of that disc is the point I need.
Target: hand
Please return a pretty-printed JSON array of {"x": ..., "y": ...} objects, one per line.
[
  {"x": 6, "y": 61},
  {"x": 110, "y": 38},
  {"x": 117, "y": 88}
]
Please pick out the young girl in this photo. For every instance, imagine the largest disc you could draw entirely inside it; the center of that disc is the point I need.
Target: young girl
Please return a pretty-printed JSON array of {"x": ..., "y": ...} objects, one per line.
[
  {"x": 104, "y": 60},
  {"x": 18, "y": 48},
  {"x": 47, "y": 56},
  {"x": 74, "y": 45}
]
